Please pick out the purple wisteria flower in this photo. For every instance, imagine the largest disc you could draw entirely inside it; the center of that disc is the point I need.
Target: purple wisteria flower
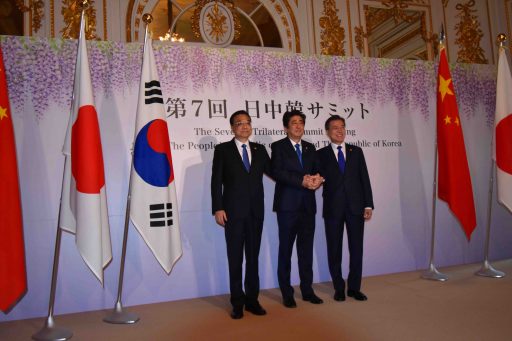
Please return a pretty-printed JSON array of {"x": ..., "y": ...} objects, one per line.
[{"x": 41, "y": 71}]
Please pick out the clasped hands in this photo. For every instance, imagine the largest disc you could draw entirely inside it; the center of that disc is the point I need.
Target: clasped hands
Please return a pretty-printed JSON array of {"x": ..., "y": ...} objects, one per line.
[{"x": 312, "y": 181}]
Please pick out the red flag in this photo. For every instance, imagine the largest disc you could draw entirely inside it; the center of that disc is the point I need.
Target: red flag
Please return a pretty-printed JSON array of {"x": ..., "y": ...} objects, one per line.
[
  {"x": 13, "y": 278},
  {"x": 454, "y": 180}
]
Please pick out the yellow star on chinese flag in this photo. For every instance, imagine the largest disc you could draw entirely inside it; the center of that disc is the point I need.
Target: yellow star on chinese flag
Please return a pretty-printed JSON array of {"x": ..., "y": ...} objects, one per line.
[
  {"x": 447, "y": 120},
  {"x": 457, "y": 122},
  {"x": 3, "y": 113},
  {"x": 444, "y": 87}
]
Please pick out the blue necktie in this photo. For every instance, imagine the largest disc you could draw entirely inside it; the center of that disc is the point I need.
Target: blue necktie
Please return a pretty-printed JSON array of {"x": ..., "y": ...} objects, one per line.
[
  {"x": 341, "y": 160},
  {"x": 299, "y": 154},
  {"x": 245, "y": 158}
]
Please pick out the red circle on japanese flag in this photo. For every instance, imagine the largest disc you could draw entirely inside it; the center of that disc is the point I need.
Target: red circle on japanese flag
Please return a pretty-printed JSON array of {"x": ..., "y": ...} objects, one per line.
[
  {"x": 504, "y": 144},
  {"x": 86, "y": 154}
]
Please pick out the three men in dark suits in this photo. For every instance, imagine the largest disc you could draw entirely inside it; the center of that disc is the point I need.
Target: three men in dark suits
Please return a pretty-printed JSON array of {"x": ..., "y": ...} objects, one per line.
[
  {"x": 294, "y": 168},
  {"x": 347, "y": 200},
  {"x": 237, "y": 204}
]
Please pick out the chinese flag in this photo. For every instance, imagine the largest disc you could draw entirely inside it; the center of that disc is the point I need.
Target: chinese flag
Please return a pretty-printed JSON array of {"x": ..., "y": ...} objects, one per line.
[
  {"x": 454, "y": 180},
  {"x": 13, "y": 279}
]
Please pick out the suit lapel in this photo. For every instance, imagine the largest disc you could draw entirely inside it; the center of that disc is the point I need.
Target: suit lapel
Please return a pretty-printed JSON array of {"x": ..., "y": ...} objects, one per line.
[
  {"x": 235, "y": 153},
  {"x": 348, "y": 154},
  {"x": 292, "y": 152},
  {"x": 254, "y": 153},
  {"x": 332, "y": 158}
]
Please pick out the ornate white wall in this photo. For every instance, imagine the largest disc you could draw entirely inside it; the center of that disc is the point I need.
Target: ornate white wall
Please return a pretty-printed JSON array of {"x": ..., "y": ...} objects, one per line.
[{"x": 315, "y": 27}]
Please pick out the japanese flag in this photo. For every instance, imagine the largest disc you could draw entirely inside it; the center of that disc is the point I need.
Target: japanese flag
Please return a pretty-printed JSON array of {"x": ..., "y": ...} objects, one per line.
[{"x": 84, "y": 200}]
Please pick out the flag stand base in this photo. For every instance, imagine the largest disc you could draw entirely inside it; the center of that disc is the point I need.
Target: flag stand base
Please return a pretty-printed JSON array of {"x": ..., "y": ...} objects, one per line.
[
  {"x": 433, "y": 274},
  {"x": 51, "y": 333},
  {"x": 118, "y": 316},
  {"x": 488, "y": 271}
]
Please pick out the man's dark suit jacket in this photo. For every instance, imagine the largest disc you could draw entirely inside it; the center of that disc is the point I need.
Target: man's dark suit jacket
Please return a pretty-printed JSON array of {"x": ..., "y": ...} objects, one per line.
[
  {"x": 352, "y": 188},
  {"x": 233, "y": 189},
  {"x": 288, "y": 173}
]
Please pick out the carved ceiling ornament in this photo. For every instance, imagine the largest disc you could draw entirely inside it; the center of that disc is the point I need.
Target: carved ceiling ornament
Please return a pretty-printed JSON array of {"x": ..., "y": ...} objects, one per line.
[
  {"x": 469, "y": 34},
  {"x": 71, "y": 12},
  {"x": 36, "y": 9},
  {"x": 217, "y": 23},
  {"x": 332, "y": 35}
]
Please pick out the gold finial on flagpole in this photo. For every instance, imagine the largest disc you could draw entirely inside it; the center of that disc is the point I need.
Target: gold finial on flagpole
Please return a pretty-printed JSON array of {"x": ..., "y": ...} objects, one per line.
[
  {"x": 84, "y": 4},
  {"x": 501, "y": 39},
  {"x": 147, "y": 18}
]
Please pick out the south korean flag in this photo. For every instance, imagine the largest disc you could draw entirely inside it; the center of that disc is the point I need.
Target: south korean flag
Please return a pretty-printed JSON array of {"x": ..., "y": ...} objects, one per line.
[{"x": 154, "y": 208}]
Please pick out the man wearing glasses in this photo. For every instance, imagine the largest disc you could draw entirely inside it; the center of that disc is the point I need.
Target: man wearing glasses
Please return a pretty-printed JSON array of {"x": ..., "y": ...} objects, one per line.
[{"x": 237, "y": 204}]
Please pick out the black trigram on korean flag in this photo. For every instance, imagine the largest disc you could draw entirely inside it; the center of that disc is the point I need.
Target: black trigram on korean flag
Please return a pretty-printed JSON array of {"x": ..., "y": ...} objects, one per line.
[
  {"x": 153, "y": 92},
  {"x": 160, "y": 215}
]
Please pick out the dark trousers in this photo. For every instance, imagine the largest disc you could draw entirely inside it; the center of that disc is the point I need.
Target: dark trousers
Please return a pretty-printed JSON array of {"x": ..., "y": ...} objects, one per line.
[
  {"x": 243, "y": 234},
  {"x": 300, "y": 225},
  {"x": 334, "y": 237}
]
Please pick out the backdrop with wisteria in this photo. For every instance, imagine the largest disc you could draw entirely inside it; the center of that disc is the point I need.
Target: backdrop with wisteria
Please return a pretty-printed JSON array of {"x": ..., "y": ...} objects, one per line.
[{"x": 390, "y": 110}]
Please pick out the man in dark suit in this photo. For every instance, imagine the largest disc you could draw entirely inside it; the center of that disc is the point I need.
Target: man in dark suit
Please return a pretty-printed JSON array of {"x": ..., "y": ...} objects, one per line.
[
  {"x": 347, "y": 200},
  {"x": 237, "y": 204},
  {"x": 294, "y": 161}
]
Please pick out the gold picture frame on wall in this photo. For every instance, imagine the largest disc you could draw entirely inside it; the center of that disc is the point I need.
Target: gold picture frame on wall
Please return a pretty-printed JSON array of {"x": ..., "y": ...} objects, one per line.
[{"x": 395, "y": 29}]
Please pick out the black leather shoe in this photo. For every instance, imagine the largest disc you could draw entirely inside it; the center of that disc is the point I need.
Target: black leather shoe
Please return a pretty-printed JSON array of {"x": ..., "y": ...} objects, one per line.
[
  {"x": 357, "y": 295},
  {"x": 289, "y": 302},
  {"x": 313, "y": 299},
  {"x": 237, "y": 313},
  {"x": 255, "y": 308},
  {"x": 339, "y": 296}
]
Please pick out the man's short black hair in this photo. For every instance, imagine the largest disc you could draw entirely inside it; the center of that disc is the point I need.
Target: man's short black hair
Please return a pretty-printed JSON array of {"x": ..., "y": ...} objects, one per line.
[
  {"x": 236, "y": 113},
  {"x": 289, "y": 114},
  {"x": 333, "y": 118}
]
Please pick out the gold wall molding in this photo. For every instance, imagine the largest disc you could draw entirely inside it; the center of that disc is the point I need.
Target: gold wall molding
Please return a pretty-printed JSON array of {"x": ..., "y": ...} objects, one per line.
[
  {"x": 332, "y": 35},
  {"x": 469, "y": 34},
  {"x": 216, "y": 25},
  {"x": 282, "y": 7},
  {"x": 294, "y": 23},
  {"x": 35, "y": 8},
  {"x": 349, "y": 28},
  {"x": 71, "y": 12},
  {"x": 378, "y": 13},
  {"x": 359, "y": 38},
  {"x": 139, "y": 11},
  {"x": 284, "y": 21},
  {"x": 508, "y": 9},
  {"x": 128, "y": 20},
  {"x": 397, "y": 10},
  {"x": 52, "y": 18},
  {"x": 105, "y": 35}
]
